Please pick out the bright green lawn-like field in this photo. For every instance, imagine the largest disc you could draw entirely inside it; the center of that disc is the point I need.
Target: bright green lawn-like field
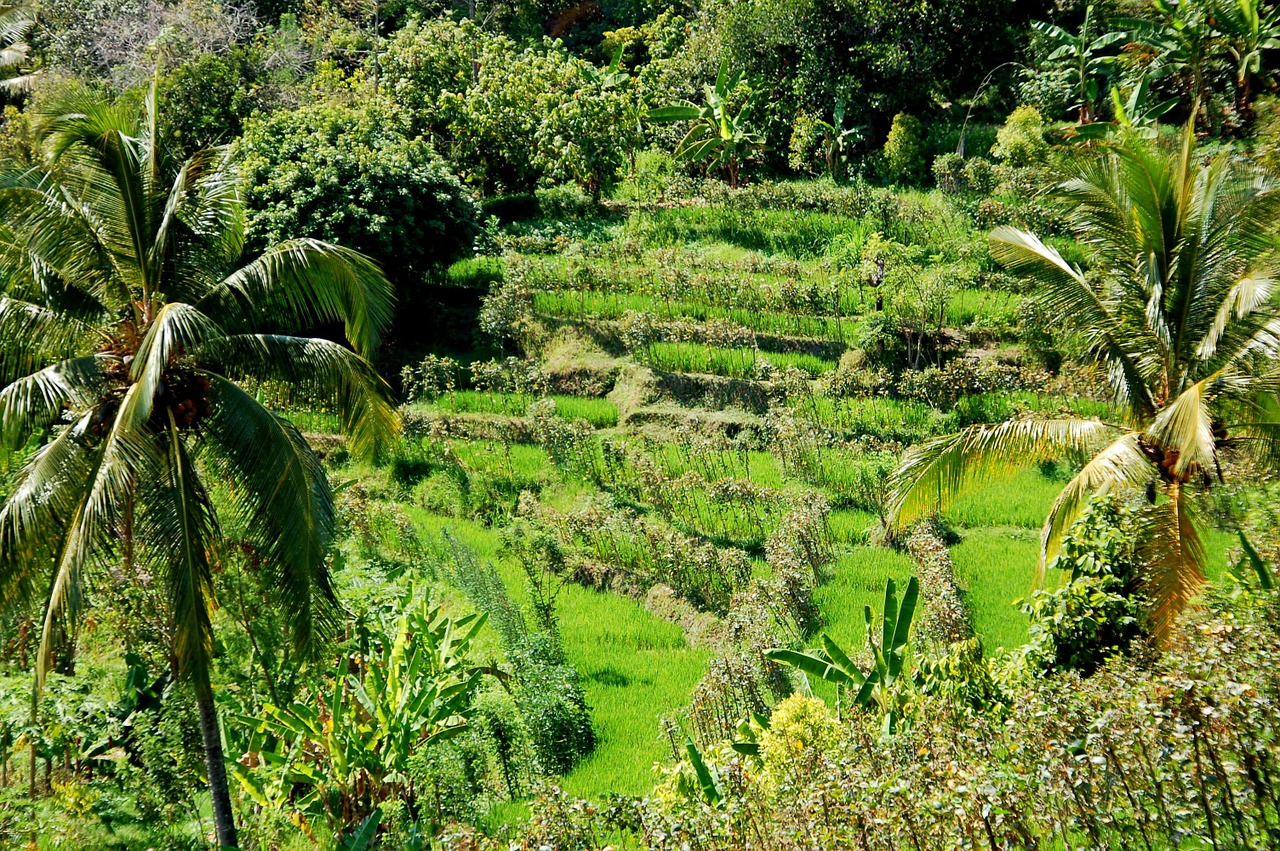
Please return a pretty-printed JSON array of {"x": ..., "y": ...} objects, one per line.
[{"x": 635, "y": 668}]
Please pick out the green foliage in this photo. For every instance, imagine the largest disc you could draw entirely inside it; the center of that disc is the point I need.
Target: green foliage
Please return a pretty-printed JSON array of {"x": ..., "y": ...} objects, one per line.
[
  {"x": 585, "y": 136},
  {"x": 551, "y": 703},
  {"x": 879, "y": 688},
  {"x": 979, "y": 175},
  {"x": 1021, "y": 141},
  {"x": 721, "y": 136},
  {"x": 1096, "y": 613},
  {"x": 209, "y": 97},
  {"x": 1082, "y": 60},
  {"x": 547, "y": 690},
  {"x": 343, "y": 751},
  {"x": 142, "y": 382},
  {"x": 510, "y": 118},
  {"x": 948, "y": 172},
  {"x": 348, "y": 173},
  {"x": 904, "y": 150}
]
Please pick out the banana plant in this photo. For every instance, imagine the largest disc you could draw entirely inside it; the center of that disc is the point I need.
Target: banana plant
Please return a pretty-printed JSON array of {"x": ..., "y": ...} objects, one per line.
[
  {"x": 613, "y": 75},
  {"x": 708, "y": 788},
  {"x": 837, "y": 141},
  {"x": 342, "y": 753},
  {"x": 877, "y": 688},
  {"x": 1082, "y": 55},
  {"x": 1250, "y": 557},
  {"x": 1182, "y": 42},
  {"x": 1249, "y": 29},
  {"x": 719, "y": 137},
  {"x": 1135, "y": 116}
]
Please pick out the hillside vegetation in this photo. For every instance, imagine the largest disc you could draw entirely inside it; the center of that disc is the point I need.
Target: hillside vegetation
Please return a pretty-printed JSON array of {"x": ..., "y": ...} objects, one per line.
[{"x": 769, "y": 424}]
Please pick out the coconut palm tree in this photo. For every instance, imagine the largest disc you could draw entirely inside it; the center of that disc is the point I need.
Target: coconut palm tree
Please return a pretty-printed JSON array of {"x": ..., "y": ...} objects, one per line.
[
  {"x": 17, "y": 22},
  {"x": 129, "y": 326},
  {"x": 1179, "y": 308}
]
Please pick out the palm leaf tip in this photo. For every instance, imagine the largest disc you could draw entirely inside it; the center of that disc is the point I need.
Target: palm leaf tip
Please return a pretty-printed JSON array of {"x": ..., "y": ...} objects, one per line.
[{"x": 933, "y": 474}]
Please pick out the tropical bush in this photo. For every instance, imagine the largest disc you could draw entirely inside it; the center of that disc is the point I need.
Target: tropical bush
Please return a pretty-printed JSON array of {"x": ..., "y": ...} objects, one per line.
[
  {"x": 346, "y": 171},
  {"x": 904, "y": 150},
  {"x": 1021, "y": 140},
  {"x": 1096, "y": 613}
]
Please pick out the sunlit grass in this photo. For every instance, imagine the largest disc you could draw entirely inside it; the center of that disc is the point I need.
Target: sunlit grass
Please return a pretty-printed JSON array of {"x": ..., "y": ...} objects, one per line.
[
  {"x": 857, "y": 579},
  {"x": 601, "y": 413},
  {"x": 635, "y": 668},
  {"x": 731, "y": 363},
  {"x": 994, "y": 567},
  {"x": 1022, "y": 499}
]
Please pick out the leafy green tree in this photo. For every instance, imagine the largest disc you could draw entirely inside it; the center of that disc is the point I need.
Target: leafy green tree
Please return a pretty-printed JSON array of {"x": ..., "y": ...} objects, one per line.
[
  {"x": 1083, "y": 58},
  {"x": 492, "y": 127},
  {"x": 1178, "y": 309},
  {"x": 586, "y": 136},
  {"x": 720, "y": 136},
  {"x": 207, "y": 98},
  {"x": 348, "y": 173},
  {"x": 128, "y": 323}
]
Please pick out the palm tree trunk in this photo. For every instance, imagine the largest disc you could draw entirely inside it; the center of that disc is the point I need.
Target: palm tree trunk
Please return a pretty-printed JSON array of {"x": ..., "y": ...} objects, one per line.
[{"x": 223, "y": 821}]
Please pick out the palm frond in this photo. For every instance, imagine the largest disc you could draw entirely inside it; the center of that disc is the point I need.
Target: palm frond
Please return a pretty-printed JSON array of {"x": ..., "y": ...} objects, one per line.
[
  {"x": 1185, "y": 426},
  {"x": 95, "y": 147},
  {"x": 280, "y": 490},
  {"x": 201, "y": 231},
  {"x": 90, "y": 532},
  {"x": 180, "y": 527},
  {"x": 31, "y": 335},
  {"x": 1173, "y": 558},
  {"x": 38, "y": 512},
  {"x": 932, "y": 475},
  {"x": 303, "y": 283},
  {"x": 1065, "y": 292},
  {"x": 36, "y": 401},
  {"x": 313, "y": 370}
]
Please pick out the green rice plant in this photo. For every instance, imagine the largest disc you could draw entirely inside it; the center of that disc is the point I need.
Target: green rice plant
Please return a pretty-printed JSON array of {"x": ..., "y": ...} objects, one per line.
[
  {"x": 478, "y": 402},
  {"x": 601, "y": 413},
  {"x": 996, "y": 567},
  {"x": 990, "y": 307},
  {"x": 812, "y": 364},
  {"x": 584, "y": 306},
  {"x": 875, "y": 416},
  {"x": 780, "y": 232},
  {"x": 474, "y": 272},
  {"x": 311, "y": 421},
  {"x": 1022, "y": 500},
  {"x": 694, "y": 358}
]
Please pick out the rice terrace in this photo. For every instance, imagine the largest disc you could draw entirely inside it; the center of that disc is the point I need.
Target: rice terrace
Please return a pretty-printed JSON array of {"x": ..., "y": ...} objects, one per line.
[{"x": 751, "y": 424}]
